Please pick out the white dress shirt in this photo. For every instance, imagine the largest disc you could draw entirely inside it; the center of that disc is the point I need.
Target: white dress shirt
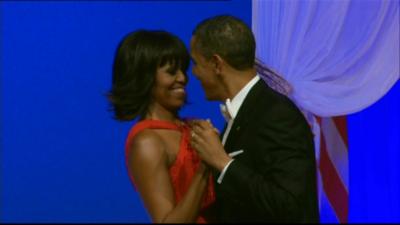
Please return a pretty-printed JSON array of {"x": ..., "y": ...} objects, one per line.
[{"x": 231, "y": 109}]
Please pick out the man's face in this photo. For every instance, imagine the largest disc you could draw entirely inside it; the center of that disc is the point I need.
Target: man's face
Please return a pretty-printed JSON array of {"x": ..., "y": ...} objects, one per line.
[{"x": 204, "y": 71}]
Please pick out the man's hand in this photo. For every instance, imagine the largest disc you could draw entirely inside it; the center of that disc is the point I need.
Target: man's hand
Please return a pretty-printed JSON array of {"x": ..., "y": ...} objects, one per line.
[{"x": 205, "y": 140}]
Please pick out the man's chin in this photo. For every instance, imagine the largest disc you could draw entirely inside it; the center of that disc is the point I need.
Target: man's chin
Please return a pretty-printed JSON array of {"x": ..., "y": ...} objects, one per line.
[{"x": 213, "y": 98}]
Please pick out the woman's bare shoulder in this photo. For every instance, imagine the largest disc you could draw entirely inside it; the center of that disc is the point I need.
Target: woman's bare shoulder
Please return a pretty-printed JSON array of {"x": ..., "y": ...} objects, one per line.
[{"x": 147, "y": 145}]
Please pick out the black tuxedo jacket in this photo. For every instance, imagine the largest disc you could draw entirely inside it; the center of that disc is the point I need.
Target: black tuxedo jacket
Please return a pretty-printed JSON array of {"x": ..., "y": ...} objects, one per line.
[{"x": 274, "y": 179}]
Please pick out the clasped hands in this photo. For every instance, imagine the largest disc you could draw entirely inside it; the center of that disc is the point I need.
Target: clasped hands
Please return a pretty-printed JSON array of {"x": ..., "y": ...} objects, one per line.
[{"x": 205, "y": 140}]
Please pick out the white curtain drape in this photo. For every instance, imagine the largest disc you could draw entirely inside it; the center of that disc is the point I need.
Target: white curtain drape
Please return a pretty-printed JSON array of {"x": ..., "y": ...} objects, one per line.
[
  {"x": 339, "y": 56},
  {"x": 336, "y": 57}
]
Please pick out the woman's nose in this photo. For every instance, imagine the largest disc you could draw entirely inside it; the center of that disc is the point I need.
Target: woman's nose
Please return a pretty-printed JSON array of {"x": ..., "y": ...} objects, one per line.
[{"x": 181, "y": 77}]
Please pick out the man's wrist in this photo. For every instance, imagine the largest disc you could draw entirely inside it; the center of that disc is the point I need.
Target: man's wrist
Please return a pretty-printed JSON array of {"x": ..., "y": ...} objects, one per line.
[
  {"x": 222, "y": 173},
  {"x": 223, "y": 163}
]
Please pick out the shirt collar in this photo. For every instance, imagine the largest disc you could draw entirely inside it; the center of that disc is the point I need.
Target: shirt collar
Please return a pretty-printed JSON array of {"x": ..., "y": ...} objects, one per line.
[{"x": 233, "y": 105}]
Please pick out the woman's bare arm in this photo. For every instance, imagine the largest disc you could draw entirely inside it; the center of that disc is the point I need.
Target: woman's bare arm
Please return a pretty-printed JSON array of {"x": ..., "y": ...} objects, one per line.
[{"x": 148, "y": 164}]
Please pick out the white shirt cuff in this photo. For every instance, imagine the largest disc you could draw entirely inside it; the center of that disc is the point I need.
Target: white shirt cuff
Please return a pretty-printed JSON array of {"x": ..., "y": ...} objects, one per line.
[{"x": 221, "y": 176}]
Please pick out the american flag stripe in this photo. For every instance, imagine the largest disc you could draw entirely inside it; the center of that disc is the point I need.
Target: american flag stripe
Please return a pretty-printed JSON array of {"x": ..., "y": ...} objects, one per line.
[
  {"x": 327, "y": 213},
  {"x": 341, "y": 125},
  {"x": 335, "y": 189},
  {"x": 336, "y": 149}
]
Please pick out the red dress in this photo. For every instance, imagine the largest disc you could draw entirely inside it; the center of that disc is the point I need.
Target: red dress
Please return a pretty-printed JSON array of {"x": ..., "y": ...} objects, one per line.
[{"x": 186, "y": 163}]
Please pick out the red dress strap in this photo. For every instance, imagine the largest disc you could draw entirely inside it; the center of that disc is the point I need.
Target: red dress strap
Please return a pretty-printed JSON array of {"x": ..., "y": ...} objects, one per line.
[{"x": 148, "y": 124}]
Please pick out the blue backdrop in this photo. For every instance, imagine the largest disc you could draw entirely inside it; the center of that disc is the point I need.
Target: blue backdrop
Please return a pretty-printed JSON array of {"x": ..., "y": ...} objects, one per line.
[
  {"x": 62, "y": 153},
  {"x": 62, "y": 156},
  {"x": 374, "y": 161}
]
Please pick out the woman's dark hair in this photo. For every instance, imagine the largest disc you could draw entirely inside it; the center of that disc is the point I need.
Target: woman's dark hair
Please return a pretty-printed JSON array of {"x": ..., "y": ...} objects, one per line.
[
  {"x": 137, "y": 59},
  {"x": 229, "y": 37}
]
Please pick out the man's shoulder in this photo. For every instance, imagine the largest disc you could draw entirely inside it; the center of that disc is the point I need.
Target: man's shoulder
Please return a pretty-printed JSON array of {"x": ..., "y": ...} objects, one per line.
[
  {"x": 270, "y": 106},
  {"x": 268, "y": 99}
]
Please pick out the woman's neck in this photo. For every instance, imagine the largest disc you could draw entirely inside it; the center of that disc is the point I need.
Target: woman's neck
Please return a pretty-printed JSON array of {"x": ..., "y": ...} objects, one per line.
[{"x": 157, "y": 112}]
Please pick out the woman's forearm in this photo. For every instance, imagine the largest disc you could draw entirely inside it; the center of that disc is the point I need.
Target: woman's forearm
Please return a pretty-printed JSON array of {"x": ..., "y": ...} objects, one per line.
[{"x": 188, "y": 208}]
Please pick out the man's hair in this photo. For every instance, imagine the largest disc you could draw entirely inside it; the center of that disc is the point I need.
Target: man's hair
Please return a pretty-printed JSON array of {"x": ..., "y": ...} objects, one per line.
[
  {"x": 136, "y": 61},
  {"x": 228, "y": 37}
]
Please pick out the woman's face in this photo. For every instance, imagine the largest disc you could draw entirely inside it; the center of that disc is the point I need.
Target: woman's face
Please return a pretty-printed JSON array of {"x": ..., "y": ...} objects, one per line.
[{"x": 169, "y": 89}]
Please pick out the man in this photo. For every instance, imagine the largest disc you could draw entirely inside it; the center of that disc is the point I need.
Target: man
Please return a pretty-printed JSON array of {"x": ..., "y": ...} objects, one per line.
[{"x": 265, "y": 166}]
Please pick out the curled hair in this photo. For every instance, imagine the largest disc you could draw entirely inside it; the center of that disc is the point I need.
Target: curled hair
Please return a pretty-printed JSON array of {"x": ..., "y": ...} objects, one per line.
[
  {"x": 228, "y": 37},
  {"x": 136, "y": 61}
]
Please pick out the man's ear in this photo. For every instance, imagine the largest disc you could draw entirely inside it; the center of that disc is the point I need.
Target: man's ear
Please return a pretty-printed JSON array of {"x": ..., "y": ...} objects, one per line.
[{"x": 217, "y": 63}]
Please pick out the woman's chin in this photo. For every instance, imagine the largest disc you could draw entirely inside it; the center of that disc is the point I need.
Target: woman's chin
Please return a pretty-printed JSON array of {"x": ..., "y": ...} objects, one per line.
[{"x": 176, "y": 107}]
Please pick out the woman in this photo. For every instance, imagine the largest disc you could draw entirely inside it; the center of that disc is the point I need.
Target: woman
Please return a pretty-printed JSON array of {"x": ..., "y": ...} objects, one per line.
[{"x": 149, "y": 79}]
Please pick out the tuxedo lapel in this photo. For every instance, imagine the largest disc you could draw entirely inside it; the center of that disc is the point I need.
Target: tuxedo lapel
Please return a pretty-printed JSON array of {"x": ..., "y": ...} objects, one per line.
[
  {"x": 221, "y": 135},
  {"x": 246, "y": 110}
]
